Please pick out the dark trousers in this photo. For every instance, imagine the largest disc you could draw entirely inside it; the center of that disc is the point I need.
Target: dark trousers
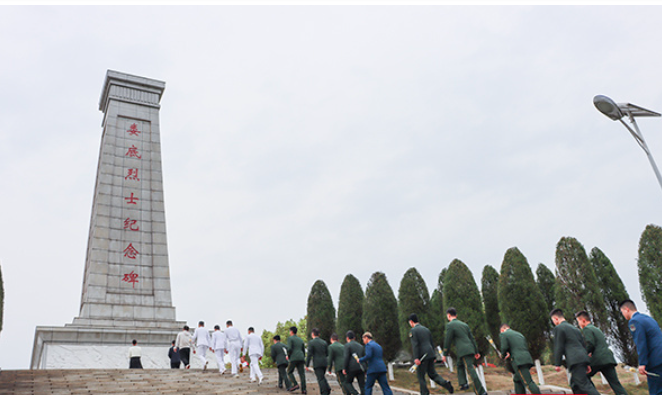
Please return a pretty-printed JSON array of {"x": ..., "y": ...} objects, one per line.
[
  {"x": 381, "y": 379},
  {"x": 282, "y": 376},
  {"x": 185, "y": 355},
  {"x": 321, "y": 381},
  {"x": 468, "y": 361},
  {"x": 654, "y": 383},
  {"x": 579, "y": 381},
  {"x": 427, "y": 367},
  {"x": 135, "y": 363},
  {"x": 522, "y": 379},
  {"x": 341, "y": 380},
  {"x": 349, "y": 379},
  {"x": 300, "y": 367},
  {"x": 175, "y": 365},
  {"x": 609, "y": 371}
]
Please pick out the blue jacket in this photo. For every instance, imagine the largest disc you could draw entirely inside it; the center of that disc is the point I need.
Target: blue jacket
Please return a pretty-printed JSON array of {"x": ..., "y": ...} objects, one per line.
[
  {"x": 648, "y": 339},
  {"x": 373, "y": 355}
]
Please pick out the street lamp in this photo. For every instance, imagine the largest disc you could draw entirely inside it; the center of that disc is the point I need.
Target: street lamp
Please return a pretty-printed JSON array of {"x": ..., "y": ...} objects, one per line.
[{"x": 616, "y": 112}]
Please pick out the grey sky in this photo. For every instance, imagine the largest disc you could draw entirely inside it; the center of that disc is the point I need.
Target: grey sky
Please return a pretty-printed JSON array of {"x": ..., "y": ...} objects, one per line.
[{"x": 304, "y": 143}]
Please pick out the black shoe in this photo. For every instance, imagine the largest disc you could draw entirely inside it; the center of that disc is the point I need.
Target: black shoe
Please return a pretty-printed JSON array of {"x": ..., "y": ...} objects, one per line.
[
  {"x": 280, "y": 385},
  {"x": 464, "y": 387},
  {"x": 484, "y": 393},
  {"x": 296, "y": 387},
  {"x": 449, "y": 386},
  {"x": 303, "y": 392}
]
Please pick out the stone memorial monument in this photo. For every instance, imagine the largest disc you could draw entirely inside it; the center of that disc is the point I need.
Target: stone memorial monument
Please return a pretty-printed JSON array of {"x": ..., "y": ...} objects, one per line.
[{"x": 126, "y": 284}]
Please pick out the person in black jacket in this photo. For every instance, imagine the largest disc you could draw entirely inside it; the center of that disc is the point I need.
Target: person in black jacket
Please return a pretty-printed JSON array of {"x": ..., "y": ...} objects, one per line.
[{"x": 175, "y": 360}]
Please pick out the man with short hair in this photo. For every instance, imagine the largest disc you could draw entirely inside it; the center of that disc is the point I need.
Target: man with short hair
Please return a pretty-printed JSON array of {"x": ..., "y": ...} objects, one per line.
[
  {"x": 424, "y": 356},
  {"x": 600, "y": 356},
  {"x": 336, "y": 358},
  {"x": 279, "y": 356},
  {"x": 218, "y": 347},
  {"x": 203, "y": 342},
  {"x": 515, "y": 350},
  {"x": 569, "y": 341},
  {"x": 648, "y": 340},
  {"x": 352, "y": 368},
  {"x": 376, "y": 367},
  {"x": 233, "y": 343},
  {"x": 175, "y": 360},
  {"x": 297, "y": 355},
  {"x": 183, "y": 346},
  {"x": 254, "y": 348},
  {"x": 318, "y": 352},
  {"x": 458, "y": 333}
]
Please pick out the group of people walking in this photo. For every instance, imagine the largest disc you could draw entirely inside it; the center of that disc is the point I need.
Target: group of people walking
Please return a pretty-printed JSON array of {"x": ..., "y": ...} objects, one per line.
[
  {"x": 583, "y": 351},
  {"x": 220, "y": 343}
]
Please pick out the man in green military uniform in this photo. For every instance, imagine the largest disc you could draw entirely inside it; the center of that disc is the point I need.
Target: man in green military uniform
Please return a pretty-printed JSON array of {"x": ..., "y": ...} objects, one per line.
[
  {"x": 424, "y": 356},
  {"x": 279, "y": 356},
  {"x": 569, "y": 342},
  {"x": 351, "y": 366},
  {"x": 336, "y": 358},
  {"x": 515, "y": 350},
  {"x": 601, "y": 357},
  {"x": 458, "y": 333},
  {"x": 318, "y": 352},
  {"x": 297, "y": 354}
]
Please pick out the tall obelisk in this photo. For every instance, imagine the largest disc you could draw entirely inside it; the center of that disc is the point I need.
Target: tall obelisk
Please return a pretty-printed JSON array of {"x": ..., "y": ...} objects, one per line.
[{"x": 126, "y": 285}]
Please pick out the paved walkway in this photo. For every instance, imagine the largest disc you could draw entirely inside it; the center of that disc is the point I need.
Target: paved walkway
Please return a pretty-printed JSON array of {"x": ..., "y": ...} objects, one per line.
[{"x": 153, "y": 382}]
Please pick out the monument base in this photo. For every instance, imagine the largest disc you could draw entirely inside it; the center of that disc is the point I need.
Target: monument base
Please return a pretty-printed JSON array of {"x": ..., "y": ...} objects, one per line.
[{"x": 77, "y": 347}]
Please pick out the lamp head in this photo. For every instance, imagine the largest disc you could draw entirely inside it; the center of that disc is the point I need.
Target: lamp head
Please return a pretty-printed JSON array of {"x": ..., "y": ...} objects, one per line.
[{"x": 607, "y": 106}]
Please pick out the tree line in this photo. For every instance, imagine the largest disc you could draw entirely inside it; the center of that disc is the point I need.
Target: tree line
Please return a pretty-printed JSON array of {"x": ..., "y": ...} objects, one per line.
[{"x": 512, "y": 295}]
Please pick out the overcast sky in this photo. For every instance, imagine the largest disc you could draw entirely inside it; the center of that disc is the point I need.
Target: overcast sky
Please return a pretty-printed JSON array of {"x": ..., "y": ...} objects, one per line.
[{"x": 305, "y": 143}]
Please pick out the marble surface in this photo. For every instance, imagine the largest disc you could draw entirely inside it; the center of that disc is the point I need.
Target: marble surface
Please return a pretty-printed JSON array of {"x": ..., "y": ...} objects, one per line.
[{"x": 58, "y": 356}]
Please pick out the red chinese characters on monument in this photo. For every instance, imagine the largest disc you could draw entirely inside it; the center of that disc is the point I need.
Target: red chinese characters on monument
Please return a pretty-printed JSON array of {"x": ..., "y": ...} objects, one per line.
[
  {"x": 133, "y": 130},
  {"x": 131, "y": 224},
  {"x": 132, "y": 174},
  {"x": 131, "y": 252},
  {"x": 131, "y": 199},
  {"x": 133, "y": 152},
  {"x": 131, "y": 278}
]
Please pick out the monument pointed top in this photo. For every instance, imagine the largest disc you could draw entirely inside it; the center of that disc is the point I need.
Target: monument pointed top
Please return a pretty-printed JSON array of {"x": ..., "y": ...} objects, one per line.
[{"x": 130, "y": 88}]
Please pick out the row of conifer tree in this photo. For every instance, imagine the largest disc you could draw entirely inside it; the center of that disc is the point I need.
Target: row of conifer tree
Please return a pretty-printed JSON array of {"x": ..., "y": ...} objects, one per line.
[{"x": 513, "y": 295}]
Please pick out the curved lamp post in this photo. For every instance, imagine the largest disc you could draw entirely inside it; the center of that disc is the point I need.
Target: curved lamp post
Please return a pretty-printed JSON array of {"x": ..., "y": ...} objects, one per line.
[{"x": 618, "y": 111}]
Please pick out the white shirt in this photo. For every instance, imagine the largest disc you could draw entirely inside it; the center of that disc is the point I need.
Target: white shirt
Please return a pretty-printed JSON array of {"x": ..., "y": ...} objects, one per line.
[
  {"x": 201, "y": 337},
  {"x": 218, "y": 340},
  {"x": 253, "y": 345},
  {"x": 135, "y": 351},
  {"x": 232, "y": 335},
  {"x": 183, "y": 340}
]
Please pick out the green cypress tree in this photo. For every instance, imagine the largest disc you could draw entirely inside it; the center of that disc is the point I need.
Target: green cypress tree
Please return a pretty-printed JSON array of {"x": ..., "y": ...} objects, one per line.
[
  {"x": 521, "y": 302},
  {"x": 576, "y": 285},
  {"x": 650, "y": 269},
  {"x": 461, "y": 292},
  {"x": 413, "y": 297},
  {"x": 613, "y": 292},
  {"x": 350, "y": 307},
  {"x": 489, "y": 289},
  {"x": 546, "y": 283},
  {"x": 380, "y": 315},
  {"x": 436, "y": 320},
  {"x": 320, "y": 313}
]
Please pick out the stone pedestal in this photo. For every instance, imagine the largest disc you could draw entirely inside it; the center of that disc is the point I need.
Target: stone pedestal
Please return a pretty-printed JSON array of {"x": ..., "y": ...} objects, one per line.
[{"x": 126, "y": 286}]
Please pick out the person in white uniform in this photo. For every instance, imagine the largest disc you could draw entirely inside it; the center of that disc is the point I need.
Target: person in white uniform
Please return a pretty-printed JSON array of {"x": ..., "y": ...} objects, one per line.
[
  {"x": 233, "y": 342},
  {"x": 254, "y": 348},
  {"x": 203, "y": 342},
  {"x": 218, "y": 345}
]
